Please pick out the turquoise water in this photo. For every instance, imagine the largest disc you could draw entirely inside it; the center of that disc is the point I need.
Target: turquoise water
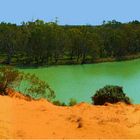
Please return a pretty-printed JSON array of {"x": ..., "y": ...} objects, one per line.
[{"x": 82, "y": 81}]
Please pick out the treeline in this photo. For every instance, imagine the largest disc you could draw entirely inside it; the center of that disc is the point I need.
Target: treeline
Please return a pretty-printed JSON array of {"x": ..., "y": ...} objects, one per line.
[{"x": 40, "y": 43}]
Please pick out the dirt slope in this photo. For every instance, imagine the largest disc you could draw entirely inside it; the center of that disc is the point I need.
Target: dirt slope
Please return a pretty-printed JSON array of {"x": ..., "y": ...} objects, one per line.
[{"x": 41, "y": 119}]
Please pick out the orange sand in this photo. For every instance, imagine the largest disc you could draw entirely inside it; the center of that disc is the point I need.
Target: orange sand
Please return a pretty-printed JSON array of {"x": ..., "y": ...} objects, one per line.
[{"x": 40, "y": 119}]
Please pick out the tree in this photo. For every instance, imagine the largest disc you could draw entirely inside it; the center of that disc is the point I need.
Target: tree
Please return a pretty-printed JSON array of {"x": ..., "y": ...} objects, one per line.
[
  {"x": 36, "y": 43},
  {"x": 9, "y": 78},
  {"x": 32, "y": 85},
  {"x": 74, "y": 49},
  {"x": 37, "y": 88},
  {"x": 8, "y": 40}
]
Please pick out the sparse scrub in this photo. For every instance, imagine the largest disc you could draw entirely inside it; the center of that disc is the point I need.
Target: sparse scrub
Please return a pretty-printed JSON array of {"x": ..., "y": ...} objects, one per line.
[
  {"x": 33, "y": 86},
  {"x": 9, "y": 78},
  {"x": 58, "y": 103},
  {"x": 72, "y": 102},
  {"x": 37, "y": 88}
]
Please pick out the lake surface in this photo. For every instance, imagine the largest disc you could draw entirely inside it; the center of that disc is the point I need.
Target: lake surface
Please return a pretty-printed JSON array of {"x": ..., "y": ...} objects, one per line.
[{"x": 82, "y": 81}]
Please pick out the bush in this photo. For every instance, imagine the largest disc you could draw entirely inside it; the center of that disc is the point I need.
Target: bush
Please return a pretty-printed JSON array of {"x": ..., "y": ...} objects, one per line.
[
  {"x": 110, "y": 94},
  {"x": 72, "y": 102},
  {"x": 58, "y": 103}
]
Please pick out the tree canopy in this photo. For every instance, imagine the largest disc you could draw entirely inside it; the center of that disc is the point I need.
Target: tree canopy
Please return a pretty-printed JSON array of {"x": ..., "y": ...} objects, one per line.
[
  {"x": 31, "y": 85},
  {"x": 41, "y": 43}
]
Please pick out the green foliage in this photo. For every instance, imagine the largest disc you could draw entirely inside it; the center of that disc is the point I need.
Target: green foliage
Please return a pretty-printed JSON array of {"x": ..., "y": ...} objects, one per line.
[
  {"x": 58, "y": 103},
  {"x": 37, "y": 88},
  {"x": 110, "y": 94},
  {"x": 9, "y": 78},
  {"x": 72, "y": 102},
  {"x": 39, "y": 43},
  {"x": 34, "y": 87}
]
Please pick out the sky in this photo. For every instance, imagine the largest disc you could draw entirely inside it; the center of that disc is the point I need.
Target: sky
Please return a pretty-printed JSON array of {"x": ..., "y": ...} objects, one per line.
[{"x": 72, "y": 12}]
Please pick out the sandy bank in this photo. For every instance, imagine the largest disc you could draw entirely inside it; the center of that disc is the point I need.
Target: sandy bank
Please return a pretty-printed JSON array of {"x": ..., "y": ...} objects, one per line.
[{"x": 41, "y": 119}]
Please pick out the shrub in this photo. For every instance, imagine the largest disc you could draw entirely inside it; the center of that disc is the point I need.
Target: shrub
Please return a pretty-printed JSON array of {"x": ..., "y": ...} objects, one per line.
[
  {"x": 72, "y": 102},
  {"x": 110, "y": 94},
  {"x": 58, "y": 103}
]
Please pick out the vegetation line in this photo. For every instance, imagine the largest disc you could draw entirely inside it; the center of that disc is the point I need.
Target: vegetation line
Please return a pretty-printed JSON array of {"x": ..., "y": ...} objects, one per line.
[{"x": 38, "y": 43}]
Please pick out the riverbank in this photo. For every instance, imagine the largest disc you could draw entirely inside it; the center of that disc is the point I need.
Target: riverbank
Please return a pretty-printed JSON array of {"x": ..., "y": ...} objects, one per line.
[
  {"x": 74, "y": 61},
  {"x": 40, "y": 119},
  {"x": 125, "y": 58}
]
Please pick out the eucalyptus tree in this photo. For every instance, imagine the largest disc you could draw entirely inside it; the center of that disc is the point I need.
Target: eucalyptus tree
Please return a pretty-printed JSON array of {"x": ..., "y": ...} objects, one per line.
[
  {"x": 74, "y": 43},
  {"x": 8, "y": 40},
  {"x": 41, "y": 43}
]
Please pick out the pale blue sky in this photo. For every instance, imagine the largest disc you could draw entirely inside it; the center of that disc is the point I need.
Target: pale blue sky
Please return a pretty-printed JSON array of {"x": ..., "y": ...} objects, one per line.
[{"x": 69, "y": 11}]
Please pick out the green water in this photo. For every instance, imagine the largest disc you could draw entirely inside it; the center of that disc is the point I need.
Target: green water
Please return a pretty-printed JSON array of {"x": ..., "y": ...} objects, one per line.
[{"x": 82, "y": 81}]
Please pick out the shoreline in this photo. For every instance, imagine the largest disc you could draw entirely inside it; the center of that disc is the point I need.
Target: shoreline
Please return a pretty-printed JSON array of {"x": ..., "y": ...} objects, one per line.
[
  {"x": 125, "y": 58},
  {"x": 89, "y": 61}
]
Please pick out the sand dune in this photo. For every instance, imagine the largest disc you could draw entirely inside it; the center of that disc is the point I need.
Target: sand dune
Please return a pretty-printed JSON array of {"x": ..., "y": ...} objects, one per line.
[{"x": 40, "y": 119}]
